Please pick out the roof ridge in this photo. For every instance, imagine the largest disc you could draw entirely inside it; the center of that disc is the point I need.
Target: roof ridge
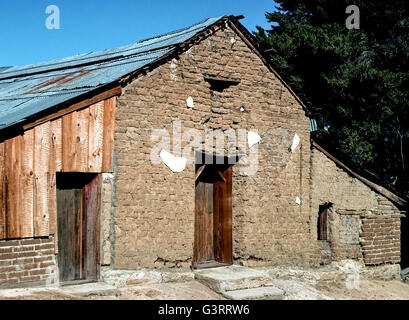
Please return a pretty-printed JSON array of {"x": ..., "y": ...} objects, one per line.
[{"x": 173, "y": 32}]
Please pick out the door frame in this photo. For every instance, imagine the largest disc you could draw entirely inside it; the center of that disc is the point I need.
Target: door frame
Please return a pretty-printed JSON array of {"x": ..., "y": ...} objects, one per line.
[
  {"x": 218, "y": 179},
  {"x": 80, "y": 181}
]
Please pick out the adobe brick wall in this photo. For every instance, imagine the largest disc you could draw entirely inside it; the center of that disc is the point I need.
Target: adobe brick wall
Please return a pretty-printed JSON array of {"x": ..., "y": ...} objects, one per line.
[
  {"x": 154, "y": 207},
  {"x": 27, "y": 261},
  {"x": 107, "y": 237},
  {"x": 363, "y": 225},
  {"x": 380, "y": 239}
]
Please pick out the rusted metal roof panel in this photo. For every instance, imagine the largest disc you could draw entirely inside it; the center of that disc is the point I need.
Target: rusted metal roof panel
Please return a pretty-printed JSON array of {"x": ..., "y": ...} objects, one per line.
[{"x": 28, "y": 90}]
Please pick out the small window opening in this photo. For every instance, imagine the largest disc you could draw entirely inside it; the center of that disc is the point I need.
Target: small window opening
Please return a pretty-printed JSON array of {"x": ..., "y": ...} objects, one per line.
[
  {"x": 322, "y": 224},
  {"x": 219, "y": 84}
]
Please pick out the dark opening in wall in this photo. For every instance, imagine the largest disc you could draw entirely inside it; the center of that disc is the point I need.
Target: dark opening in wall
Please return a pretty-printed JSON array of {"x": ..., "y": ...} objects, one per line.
[
  {"x": 219, "y": 84},
  {"x": 322, "y": 225}
]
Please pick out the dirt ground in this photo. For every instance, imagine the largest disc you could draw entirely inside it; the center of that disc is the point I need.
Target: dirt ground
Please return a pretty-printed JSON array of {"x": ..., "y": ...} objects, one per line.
[
  {"x": 368, "y": 290},
  {"x": 295, "y": 289},
  {"x": 190, "y": 290},
  {"x": 344, "y": 280}
]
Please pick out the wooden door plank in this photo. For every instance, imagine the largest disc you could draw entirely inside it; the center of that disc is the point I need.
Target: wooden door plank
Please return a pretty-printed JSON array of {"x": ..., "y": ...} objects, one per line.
[
  {"x": 223, "y": 240},
  {"x": 2, "y": 194},
  {"x": 109, "y": 128},
  {"x": 204, "y": 250},
  {"x": 91, "y": 209},
  {"x": 62, "y": 242},
  {"x": 13, "y": 193},
  {"x": 77, "y": 234},
  {"x": 95, "y": 137},
  {"x": 27, "y": 185},
  {"x": 42, "y": 147}
]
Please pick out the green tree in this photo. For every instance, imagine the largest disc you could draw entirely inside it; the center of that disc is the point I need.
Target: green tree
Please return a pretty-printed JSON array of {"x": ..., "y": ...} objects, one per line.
[{"x": 355, "y": 82}]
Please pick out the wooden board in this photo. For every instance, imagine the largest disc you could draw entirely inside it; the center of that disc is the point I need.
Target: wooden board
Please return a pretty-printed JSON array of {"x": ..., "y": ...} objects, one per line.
[
  {"x": 203, "y": 249},
  {"x": 68, "y": 142},
  {"x": 109, "y": 127},
  {"x": 55, "y": 165},
  {"x": 69, "y": 208},
  {"x": 56, "y": 144},
  {"x": 3, "y": 234},
  {"x": 81, "y": 141},
  {"x": 13, "y": 189},
  {"x": 223, "y": 238},
  {"x": 91, "y": 196},
  {"x": 42, "y": 143},
  {"x": 95, "y": 137},
  {"x": 27, "y": 185}
]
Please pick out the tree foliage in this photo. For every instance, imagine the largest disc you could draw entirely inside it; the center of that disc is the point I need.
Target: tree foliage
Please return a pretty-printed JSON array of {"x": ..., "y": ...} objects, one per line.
[{"x": 356, "y": 82}]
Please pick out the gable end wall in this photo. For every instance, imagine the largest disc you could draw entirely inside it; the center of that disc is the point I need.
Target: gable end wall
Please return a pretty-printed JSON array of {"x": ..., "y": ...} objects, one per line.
[{"x": 154, "y": 207}]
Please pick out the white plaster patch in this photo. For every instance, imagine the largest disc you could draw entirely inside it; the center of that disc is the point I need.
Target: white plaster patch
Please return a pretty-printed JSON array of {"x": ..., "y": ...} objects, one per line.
[
  {"x": 296, "y": 141},
  {"x": 253, "y": 138},
  {"x": 242, "y": 109},
  {"x": 107, "y": 176},
  {"x": 176, "y": 164},
  {"x": 297, "y": 200},
  {"x": 173, "y": 64},
  {"x": 190, "y": 103},
  {"x": 232, "y": 41}
]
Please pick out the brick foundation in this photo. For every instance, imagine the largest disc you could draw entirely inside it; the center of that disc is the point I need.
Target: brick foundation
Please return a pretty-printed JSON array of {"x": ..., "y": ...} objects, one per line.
[{"x": 27, "y": 261}]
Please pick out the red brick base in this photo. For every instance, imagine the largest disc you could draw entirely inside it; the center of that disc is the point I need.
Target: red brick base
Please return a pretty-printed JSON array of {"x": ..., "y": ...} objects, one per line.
[{"x": 27, "y": 261}]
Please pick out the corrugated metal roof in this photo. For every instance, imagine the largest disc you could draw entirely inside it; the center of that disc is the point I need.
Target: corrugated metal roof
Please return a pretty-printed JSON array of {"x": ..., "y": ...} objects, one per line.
[
  {"x": 28, "y": 90},
  {"x": 313, "y": 125}
]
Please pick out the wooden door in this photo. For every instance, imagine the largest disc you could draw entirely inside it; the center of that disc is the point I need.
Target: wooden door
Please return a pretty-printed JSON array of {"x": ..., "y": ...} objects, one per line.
[
  {"x": 213, "y": 217},
  {"x": 322, "y": 224},
  {"x": 78, "y": 207},
  {"x": 69, "y": 219}
]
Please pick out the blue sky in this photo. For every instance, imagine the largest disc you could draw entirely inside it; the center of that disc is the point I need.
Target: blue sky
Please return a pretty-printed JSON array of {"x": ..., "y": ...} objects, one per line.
[{"x": 91, "y": 25}]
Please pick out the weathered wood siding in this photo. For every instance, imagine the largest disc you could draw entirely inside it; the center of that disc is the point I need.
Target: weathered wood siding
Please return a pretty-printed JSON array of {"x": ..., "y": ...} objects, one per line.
[{"x": 81, "y": 141}]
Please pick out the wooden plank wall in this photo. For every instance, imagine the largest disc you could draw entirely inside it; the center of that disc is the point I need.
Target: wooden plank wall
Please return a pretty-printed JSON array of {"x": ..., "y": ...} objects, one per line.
[{"x": 81, "y": 141}]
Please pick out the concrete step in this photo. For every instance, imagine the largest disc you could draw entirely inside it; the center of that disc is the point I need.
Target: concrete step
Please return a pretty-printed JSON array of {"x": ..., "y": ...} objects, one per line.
[
  {"x": 262, "y": 293},
  {"x": 91, "y": 289},
  {"x": 232, "y": 278}
]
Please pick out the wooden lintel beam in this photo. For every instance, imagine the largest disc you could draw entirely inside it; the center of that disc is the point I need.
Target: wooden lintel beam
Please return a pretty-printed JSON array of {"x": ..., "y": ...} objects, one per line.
[
  {"x": 80, "y": 105},
  {"x": 199, "y": 171},
  {"x": 221, "y": 175}
]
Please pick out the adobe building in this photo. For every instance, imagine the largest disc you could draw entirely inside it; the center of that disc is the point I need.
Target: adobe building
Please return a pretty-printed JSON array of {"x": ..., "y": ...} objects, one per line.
[{"x": 111, "y": 159}]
